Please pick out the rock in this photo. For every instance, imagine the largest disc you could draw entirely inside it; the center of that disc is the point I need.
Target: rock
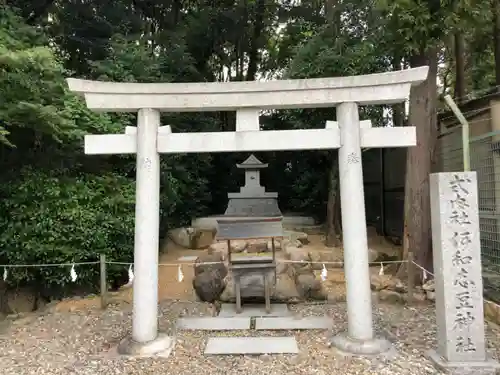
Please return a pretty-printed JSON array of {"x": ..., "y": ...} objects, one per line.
[
  {"x": 218, "y": 248},
  {"x": 379, "y": 282},
  {"x": 180, "y": 236},
  {"x": 299, "y": 255},
  {"x": 209, "y": 285},
  {"x": 228, "y": 294},
  {"x": 390, "y": 296},
  {"x": 400, "y": 287},
  {"x": 431, "y": 296},
  {"x": 208, "y": 281},
  {"x": 279, "y": 244},
  {"x": 429, "y": 286},
  {"x": 215, "y": 260},
  {"x": 418, "y": 297},
  {"x": 300, "y": 260},
  {"x": 192, "y": 238},
  {"x": 238, "y": 246},
  {"x": 373, "y": 256},
  {"x": 202, "y": 239},
  {"x": 336, "y": 278},
  {"x": 205, "y": 223},
  {"x": 309, "y": 287},
  {"x": 281, "y": 267},
  {"x": 336, "y": 297},
  {"x": 331, "y": 259},
  {"x": 295, "y": 253},
  {"x": 389, "y": 282},
  {"x": 300, "y": 236},
  {"x": 257, "y": 246},
  {"x": 285, "y": 288}
]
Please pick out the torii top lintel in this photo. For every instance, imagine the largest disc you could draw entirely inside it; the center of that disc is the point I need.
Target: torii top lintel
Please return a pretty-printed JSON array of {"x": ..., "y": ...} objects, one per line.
[{"x": 381, "y": 88}]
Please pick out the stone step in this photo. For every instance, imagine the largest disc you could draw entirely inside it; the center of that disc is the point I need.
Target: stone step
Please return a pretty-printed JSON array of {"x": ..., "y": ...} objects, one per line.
[
  {"x": 251, "y": 345},
  {"x": 290, "y": 323},
  {"x": 214, "y": 323},
  {"x": 277, "y": 309}
]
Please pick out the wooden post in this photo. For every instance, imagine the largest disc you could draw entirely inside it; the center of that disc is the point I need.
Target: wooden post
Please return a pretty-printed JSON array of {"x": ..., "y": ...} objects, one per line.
[
  {"x": 411, "y": 277},
  {"x": 104, "y": 286}
]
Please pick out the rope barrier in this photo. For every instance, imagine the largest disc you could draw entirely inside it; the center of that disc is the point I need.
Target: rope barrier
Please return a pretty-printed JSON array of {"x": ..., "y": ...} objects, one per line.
[
  {"x": 176, "y": 264},
  {"x": 423, "y": 269},
  {"x": 47, "y": 265}
]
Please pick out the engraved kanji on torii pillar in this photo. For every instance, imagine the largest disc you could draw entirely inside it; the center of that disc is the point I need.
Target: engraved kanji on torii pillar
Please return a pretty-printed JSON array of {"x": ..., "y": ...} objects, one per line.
[{"x": 247, "y": 99}]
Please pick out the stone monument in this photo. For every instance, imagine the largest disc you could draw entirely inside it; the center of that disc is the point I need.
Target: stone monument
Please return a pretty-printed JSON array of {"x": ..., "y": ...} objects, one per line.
[
  {"x": 252, "y": 200},
  {"x": 461, "y": 340}
]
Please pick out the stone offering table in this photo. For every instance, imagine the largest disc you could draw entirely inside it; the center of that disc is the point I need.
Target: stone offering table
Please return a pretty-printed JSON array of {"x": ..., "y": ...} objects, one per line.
[{"x": 247, "y": 266}]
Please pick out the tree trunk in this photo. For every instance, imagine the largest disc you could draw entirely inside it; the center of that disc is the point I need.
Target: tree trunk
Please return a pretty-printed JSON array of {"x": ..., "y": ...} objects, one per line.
[
  {"x": 423, "y": 101},
  {"x": 398, "y": 110},
  {"x": 253, "y": 55},
  {"x": 496, "y": 36},
  {"x": 333, "y": 16},
  {"x": 4, "y": 303},
  {"x": 332, "y": 206},
  {"x": 459, "y": 66}
]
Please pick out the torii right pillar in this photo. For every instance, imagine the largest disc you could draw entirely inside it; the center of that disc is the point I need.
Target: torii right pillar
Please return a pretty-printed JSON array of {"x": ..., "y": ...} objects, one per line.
[{"x": 359, "y": 338}]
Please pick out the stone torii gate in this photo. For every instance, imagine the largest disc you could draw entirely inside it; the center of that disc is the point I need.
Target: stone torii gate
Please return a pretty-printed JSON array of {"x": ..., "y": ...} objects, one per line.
[{"x": 348, "y": 134}]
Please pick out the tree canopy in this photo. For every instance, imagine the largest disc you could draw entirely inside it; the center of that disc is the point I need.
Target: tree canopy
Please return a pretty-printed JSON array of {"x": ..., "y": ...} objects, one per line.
[{"x": 58, "y": 205}]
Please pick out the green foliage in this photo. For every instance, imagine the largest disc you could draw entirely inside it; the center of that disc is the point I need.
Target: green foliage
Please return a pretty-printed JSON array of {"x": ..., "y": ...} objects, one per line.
[
  {"x": 58, "y": 218},
  {"x": 58, "y": 205},
  {"x": 31, "y": 83},
  {"x": 325, "y": 54}
]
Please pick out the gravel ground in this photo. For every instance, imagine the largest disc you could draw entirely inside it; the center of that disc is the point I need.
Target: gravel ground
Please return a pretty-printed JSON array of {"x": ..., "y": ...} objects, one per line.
[{"x": 79, "y": 342}]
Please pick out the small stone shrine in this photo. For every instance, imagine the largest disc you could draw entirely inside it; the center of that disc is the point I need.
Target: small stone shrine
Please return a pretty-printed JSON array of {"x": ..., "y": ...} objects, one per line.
[{"x": 252, "y": 200}]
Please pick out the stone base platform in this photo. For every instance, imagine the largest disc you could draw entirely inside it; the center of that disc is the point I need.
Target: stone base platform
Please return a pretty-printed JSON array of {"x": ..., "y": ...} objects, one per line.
[
  {"x": 370, "y": 348},
  {"x": 162, "y": 346},
  {"x": 488, "y": 367}
]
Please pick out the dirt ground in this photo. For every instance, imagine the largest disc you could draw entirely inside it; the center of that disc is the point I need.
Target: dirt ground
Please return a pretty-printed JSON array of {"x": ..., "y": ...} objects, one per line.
[{"x": 169, "y": 288}]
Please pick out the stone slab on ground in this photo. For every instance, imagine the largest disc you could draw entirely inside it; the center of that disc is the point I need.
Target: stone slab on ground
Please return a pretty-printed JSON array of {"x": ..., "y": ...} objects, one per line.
[
  {"x": 277, "y": 309},
  {"x": 187, "y": 258},
  {"x": 286, "y": 323},
  {"x": 251, "y": 345},
  {"x": 214, "y": 323}
]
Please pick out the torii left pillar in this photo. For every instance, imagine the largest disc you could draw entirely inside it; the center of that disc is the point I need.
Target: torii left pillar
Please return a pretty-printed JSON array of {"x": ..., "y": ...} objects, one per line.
[
  {"x": 147, "y": 226},
  {"x": 145, "y": 339}
]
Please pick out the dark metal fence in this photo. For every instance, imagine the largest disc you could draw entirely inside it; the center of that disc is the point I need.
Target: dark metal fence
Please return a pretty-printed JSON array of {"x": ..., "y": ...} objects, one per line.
[{"x": 384, "y": 180}]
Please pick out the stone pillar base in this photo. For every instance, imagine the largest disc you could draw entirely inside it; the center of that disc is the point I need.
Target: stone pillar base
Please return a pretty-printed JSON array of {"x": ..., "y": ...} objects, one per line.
[
  {"x": 160, "y": 347},
  {"x": 372, "y": 347},
  {"x": 488, "y": 367}
]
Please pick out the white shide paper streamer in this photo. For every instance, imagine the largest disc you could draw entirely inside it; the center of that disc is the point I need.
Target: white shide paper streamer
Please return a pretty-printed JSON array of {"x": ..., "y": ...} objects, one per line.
[
  {"x": 381, "y": 272},
  {"x": 324, "y": 273},
  {"x": 130, "y": 275},
  {"x": 180, "y": 275},
  {"x": 72, "y": 273}
]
